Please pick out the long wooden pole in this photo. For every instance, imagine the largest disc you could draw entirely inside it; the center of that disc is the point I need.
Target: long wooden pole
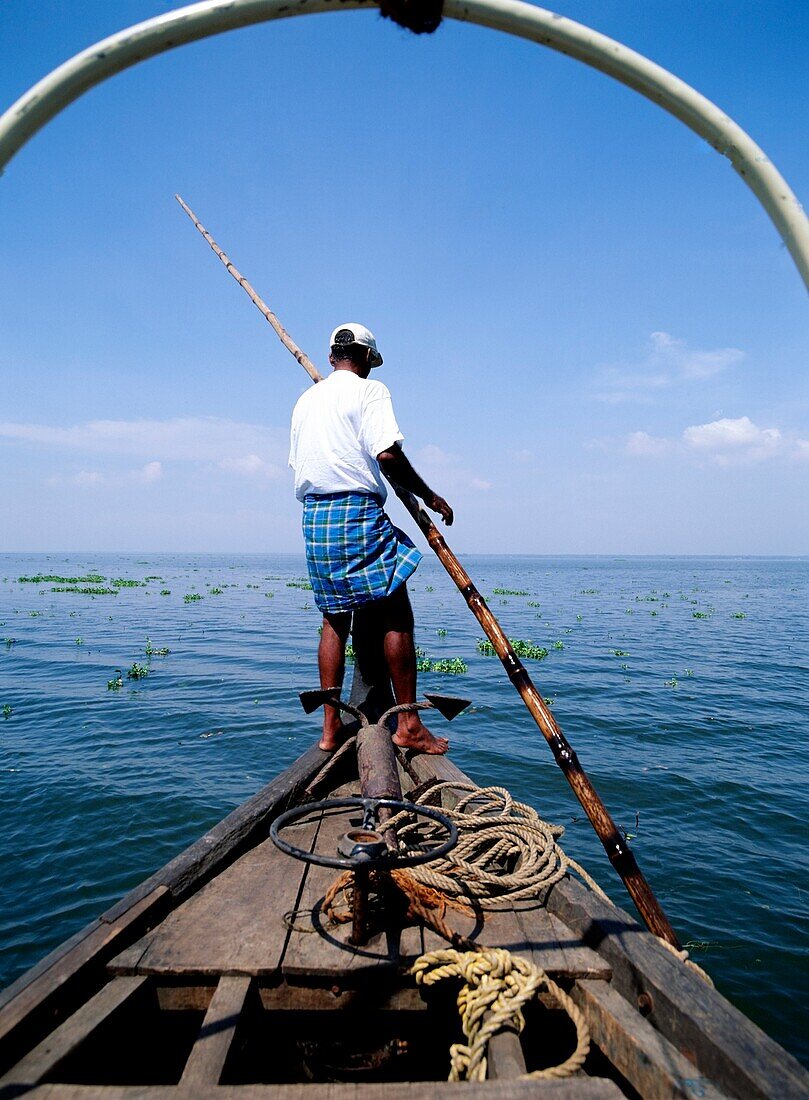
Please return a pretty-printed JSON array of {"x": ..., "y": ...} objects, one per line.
[{"x": 616, "y": 847}]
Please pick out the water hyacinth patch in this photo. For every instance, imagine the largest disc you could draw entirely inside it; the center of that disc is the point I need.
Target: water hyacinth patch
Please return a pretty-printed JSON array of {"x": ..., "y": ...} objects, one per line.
[
  {"x": 449, "y": 666},
  {"x": 52, "y": 578},
  {"x": 90, "y": 590},
  {"x": 8, "y": 710},
  {"x": 165, "y": 591},
  {"x": 116, "y": 683},
  {"x": 520, "y": 647},
  {"x": 137, "y": 672},
  {"x": 216, "y": 591},
  {"x": 122, "y": 582},
  {"x": 300, "y": 584},
  {"x": 441, "y": 632},
  {"x": 190, "y": 597},
  {"x": 151, "y": 651},
  {"x": 509, "y": 592}
]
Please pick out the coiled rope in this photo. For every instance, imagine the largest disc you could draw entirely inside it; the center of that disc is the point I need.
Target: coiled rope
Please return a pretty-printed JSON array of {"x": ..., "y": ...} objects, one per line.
[
  {"x": 496, "y": 986},
  {"x": 496, "y": 832}
]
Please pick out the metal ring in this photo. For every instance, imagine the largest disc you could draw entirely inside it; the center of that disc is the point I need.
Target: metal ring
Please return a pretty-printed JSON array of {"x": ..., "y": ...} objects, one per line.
[{"x": 388, "y": 861}]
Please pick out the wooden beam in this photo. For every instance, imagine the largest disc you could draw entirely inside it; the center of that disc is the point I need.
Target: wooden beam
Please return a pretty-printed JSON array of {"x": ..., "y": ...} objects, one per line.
[
  {"x": 45, "y": 1058},
  {"x": 637, "y": 1050},
  {"x": 206, "y": 1062},
  {"x": 720, "y": 1041}
]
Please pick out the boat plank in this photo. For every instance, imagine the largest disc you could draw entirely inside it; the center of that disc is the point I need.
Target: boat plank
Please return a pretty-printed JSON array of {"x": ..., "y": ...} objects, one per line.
[
  {"x": 234, "y": 925},
  {"x": 46, "y": 995},
  {"x": 574, "y": 1088},
  {"x": 46, "y": 1057},
  {"x": 236, "y": 832},
  {"x": 637, "y": 1050},
  {"x": 206, "y": 1062},
  {"x": 725, "y": 1046},
  {"x": 315, "y": 950}
]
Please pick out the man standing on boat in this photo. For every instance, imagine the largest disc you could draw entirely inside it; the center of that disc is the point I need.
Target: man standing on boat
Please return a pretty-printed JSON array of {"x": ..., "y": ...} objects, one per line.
[{"x": 343, "y": 431}]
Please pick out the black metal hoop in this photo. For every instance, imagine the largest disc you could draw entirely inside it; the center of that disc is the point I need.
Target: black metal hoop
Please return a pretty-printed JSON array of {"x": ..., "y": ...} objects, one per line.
[{"x": 370, "y": 806}]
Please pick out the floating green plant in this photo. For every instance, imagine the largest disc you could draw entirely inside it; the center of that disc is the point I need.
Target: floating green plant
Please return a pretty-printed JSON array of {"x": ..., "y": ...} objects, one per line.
[
  {"x": 35, "y": 614},
  {"x": 688, "y": 672},
  {"x": 450, "y": 666},
  {"x": 80, "y": 641},
  {"x": 510, "y": 592},
  {"x": 89, "y": 590},
  {"x": 53, "y": 578},
  {"x": 190, "y": 597},
  {"x": 558, "y": 644},
  {"x": 520, "y": 647},
  {"x": 700, "y": 615},
  {"x": 429, "y": 588},
  {"x": 216, "y": 591},
  {"x": 534, "y": 603},
  {"x": 441, "y": 632},
  {"x": 10, "y": 642},
  {"x": 137, "y": 672},
  {"x": 300, "y": 584},
  {"x": 350, "y": 654},
  {"x": 738, "y": 615},
  {"x": 619, "y": 653},
  {"x": 116, "y": 683},
  {"x": 589, "y": 592},
  {"x": 165, "y": 591},
  {"x": 8, "y": 710},
  {"x": 423, "y": 664},
  {"x": 122, "y": 582},
  {"x": 153, "y": 651},
  {"x": 548, "y": 701},
  {"x": 269, "y": 595},
  {"x": 672, "y": 683},
  {"x": 579, "y": 618}
]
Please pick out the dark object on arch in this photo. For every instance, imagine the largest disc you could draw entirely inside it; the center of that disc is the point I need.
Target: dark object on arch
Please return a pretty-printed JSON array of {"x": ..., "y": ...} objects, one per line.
[{"x": 418, "y": 16}]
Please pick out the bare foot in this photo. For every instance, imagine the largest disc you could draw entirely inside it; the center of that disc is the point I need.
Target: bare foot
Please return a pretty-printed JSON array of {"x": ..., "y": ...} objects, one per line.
[
  {"x": 418, "y": 737},
  {"x": 333, "y": 737}
]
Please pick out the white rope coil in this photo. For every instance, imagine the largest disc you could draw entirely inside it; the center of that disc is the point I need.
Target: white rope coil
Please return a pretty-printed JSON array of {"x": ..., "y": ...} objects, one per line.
[{"x": 496, "y": 833}]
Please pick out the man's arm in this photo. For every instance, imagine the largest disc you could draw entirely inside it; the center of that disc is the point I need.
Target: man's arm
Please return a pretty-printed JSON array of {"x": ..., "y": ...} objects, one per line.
[{"x": 397, "y": 466}]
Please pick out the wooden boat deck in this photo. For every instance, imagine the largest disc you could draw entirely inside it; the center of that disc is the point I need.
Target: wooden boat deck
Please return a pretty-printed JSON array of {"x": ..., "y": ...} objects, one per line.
[{"x": 203, "y": 980}]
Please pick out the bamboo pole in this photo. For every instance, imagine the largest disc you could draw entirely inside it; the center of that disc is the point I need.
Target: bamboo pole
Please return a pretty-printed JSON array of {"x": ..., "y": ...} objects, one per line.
[{"x": 620, "y": 855}]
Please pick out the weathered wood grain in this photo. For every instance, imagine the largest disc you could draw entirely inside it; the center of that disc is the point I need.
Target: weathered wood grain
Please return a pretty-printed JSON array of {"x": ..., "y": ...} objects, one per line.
[
  {"x": 46, "y": 1057},
  {"x": 209, "y": 1053},
  {"x": 637, "y": 1050},
  {"x": 575, "y": 1088},
  {"x": 725, "y": 1046},
  {"x": 232, "y": 836},
  {"x": 318, "y": 951},
  {"x": 45, "y": 996},
  {"x": 236, "y": 924}
]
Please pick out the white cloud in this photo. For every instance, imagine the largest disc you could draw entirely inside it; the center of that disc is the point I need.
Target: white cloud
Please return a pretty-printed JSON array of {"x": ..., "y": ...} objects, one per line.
[
  {"x": 447, "y": 470},
  {"x": 523, "y": 455},
  {"x": 152, "y": 471},
  {"x": 201, "y": 439},
  {"x": 737, "y": 440},
  {"x": 641, "y": 443},
  {"x": 250, "y": 466},
  {"x": 668, "y": 361}
]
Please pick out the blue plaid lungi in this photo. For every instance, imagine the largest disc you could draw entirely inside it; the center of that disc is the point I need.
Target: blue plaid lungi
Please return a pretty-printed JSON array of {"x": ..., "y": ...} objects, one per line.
[{"x": 353, "y": 552}]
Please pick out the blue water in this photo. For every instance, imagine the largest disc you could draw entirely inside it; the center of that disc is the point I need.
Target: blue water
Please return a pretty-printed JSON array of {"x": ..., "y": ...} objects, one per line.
[{"x": 695, "y": 733}]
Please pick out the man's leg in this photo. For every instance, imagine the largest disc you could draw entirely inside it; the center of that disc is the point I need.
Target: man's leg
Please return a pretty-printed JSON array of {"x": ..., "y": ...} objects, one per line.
[
  {"x": 331, "y": 662},
  {"x": 400, "y": 655}
]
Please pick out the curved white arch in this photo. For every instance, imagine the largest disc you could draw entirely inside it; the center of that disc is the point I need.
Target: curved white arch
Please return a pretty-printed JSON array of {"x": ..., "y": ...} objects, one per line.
[{"x": 120, "y": 51}]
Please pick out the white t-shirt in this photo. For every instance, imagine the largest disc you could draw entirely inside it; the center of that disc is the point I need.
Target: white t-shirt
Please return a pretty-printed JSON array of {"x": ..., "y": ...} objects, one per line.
[{"x": 339, "y": 427}]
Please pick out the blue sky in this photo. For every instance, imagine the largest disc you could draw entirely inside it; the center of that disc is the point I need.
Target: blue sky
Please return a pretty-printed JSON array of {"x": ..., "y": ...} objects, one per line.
[{"x": 595, "y": 340}]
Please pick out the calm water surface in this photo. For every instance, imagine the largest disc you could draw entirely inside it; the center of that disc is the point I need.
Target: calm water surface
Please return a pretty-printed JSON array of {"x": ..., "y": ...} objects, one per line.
[{"x": 682, "y": 683}]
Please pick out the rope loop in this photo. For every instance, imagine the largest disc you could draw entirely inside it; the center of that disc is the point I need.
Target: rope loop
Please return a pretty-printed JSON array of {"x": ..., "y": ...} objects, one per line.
[{"x": 496, "y": 987}]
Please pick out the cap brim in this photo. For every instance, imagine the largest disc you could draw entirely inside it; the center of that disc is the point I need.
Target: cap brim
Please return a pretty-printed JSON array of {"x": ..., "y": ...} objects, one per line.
[{"x": 377, "y": 360}]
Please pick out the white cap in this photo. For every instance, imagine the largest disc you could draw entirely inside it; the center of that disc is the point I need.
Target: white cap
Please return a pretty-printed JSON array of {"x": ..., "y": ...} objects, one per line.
[{"x": 356, "y": 334}]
